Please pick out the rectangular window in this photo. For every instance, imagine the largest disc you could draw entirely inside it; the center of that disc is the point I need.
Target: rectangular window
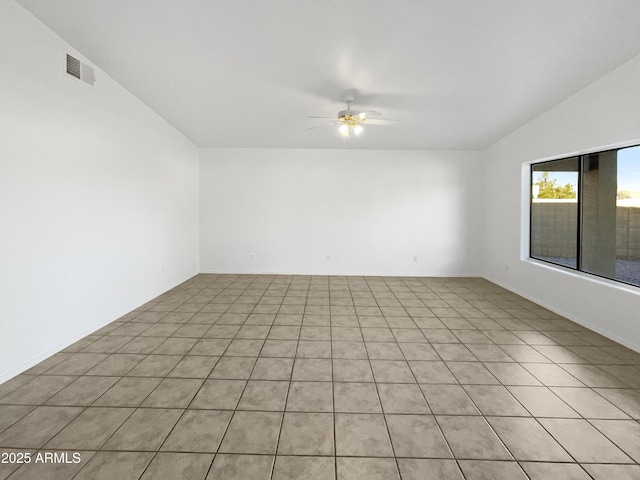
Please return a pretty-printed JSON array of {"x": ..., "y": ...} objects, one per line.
[
  {"x": 585, "y": 213},
  {"x": 554, "y": 211}
]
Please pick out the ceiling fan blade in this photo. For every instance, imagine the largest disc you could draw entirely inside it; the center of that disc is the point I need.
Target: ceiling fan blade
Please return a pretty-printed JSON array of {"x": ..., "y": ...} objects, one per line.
[
  {"x": 379, "y": 121},
  {"x": 323, "y": 125},
  {"x": 395, "y": 100},
  {"x": 369, "y": 113}
]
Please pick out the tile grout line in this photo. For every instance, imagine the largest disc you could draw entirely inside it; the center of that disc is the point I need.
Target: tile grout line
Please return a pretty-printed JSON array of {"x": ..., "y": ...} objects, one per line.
[
  {"x": 333, "y": 385},
  {"x": 286, "y": 400},
  {"x": 532, "y": 416},
  {"x": 393, "y": 448},
  {"x": 442, "y": 432},
  {"x": 135, "y": 409},
  {"x": 217, "y": 452},
  {"x": 518, "y": 309},
  {"x": 192, "y": 398},
  {"x": 453, "y": 456},
  {"x": 191, "y": 401}
]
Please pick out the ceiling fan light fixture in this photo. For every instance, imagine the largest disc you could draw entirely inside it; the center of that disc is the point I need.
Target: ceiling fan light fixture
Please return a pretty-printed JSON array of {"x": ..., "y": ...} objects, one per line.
[{"x": 352, "y": 121}]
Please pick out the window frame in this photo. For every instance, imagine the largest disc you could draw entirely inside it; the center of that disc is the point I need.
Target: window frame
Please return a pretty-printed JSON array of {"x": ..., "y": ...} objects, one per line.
[{"x": 579, "y": 220}]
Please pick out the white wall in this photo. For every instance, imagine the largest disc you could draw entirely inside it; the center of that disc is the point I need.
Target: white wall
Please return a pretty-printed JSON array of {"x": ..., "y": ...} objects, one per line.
[
  {"x": 370, "y": 211},
  {"x": 98, "y": 198},
  {"x": 607, "y": 113}
]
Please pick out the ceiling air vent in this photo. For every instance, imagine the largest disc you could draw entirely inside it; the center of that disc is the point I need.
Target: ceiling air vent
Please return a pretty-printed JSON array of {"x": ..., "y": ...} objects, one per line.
[{"x": 80, "y": 70}]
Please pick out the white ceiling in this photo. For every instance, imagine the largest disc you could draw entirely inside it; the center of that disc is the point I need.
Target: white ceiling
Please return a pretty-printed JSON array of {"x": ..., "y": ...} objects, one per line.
[{"x": 456, "y": 74}]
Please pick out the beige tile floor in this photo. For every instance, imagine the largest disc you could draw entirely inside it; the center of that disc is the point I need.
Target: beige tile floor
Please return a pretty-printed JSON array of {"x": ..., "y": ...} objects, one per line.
[{"x": 294, "y": 377}]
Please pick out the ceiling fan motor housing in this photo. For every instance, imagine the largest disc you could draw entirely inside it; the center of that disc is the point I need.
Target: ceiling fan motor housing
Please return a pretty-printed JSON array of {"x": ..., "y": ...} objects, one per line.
[
  {"x": 350, "y": 117},
  {"x": 348, "y": 113}
]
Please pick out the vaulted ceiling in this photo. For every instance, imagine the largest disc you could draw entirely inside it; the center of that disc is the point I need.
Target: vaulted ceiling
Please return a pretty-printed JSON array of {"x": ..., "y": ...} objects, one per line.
[{"x": 456, "y": 74}]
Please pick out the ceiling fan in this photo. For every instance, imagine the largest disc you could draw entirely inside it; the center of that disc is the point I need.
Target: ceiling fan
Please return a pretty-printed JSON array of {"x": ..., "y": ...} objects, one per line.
[{"x": 353, "y": 121}]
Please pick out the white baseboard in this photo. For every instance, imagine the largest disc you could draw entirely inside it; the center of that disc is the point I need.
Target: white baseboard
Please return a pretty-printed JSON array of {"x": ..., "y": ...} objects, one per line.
[
  {"x": 579, "y": 321},
  {"x": 350, "y": 274},
  {"x": 73, "y": 339},
  {"x": 34, "y": 361}
]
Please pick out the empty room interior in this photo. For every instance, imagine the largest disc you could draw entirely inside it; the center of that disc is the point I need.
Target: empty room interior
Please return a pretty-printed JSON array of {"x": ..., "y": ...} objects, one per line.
[{"x": 355, "y": 240}]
